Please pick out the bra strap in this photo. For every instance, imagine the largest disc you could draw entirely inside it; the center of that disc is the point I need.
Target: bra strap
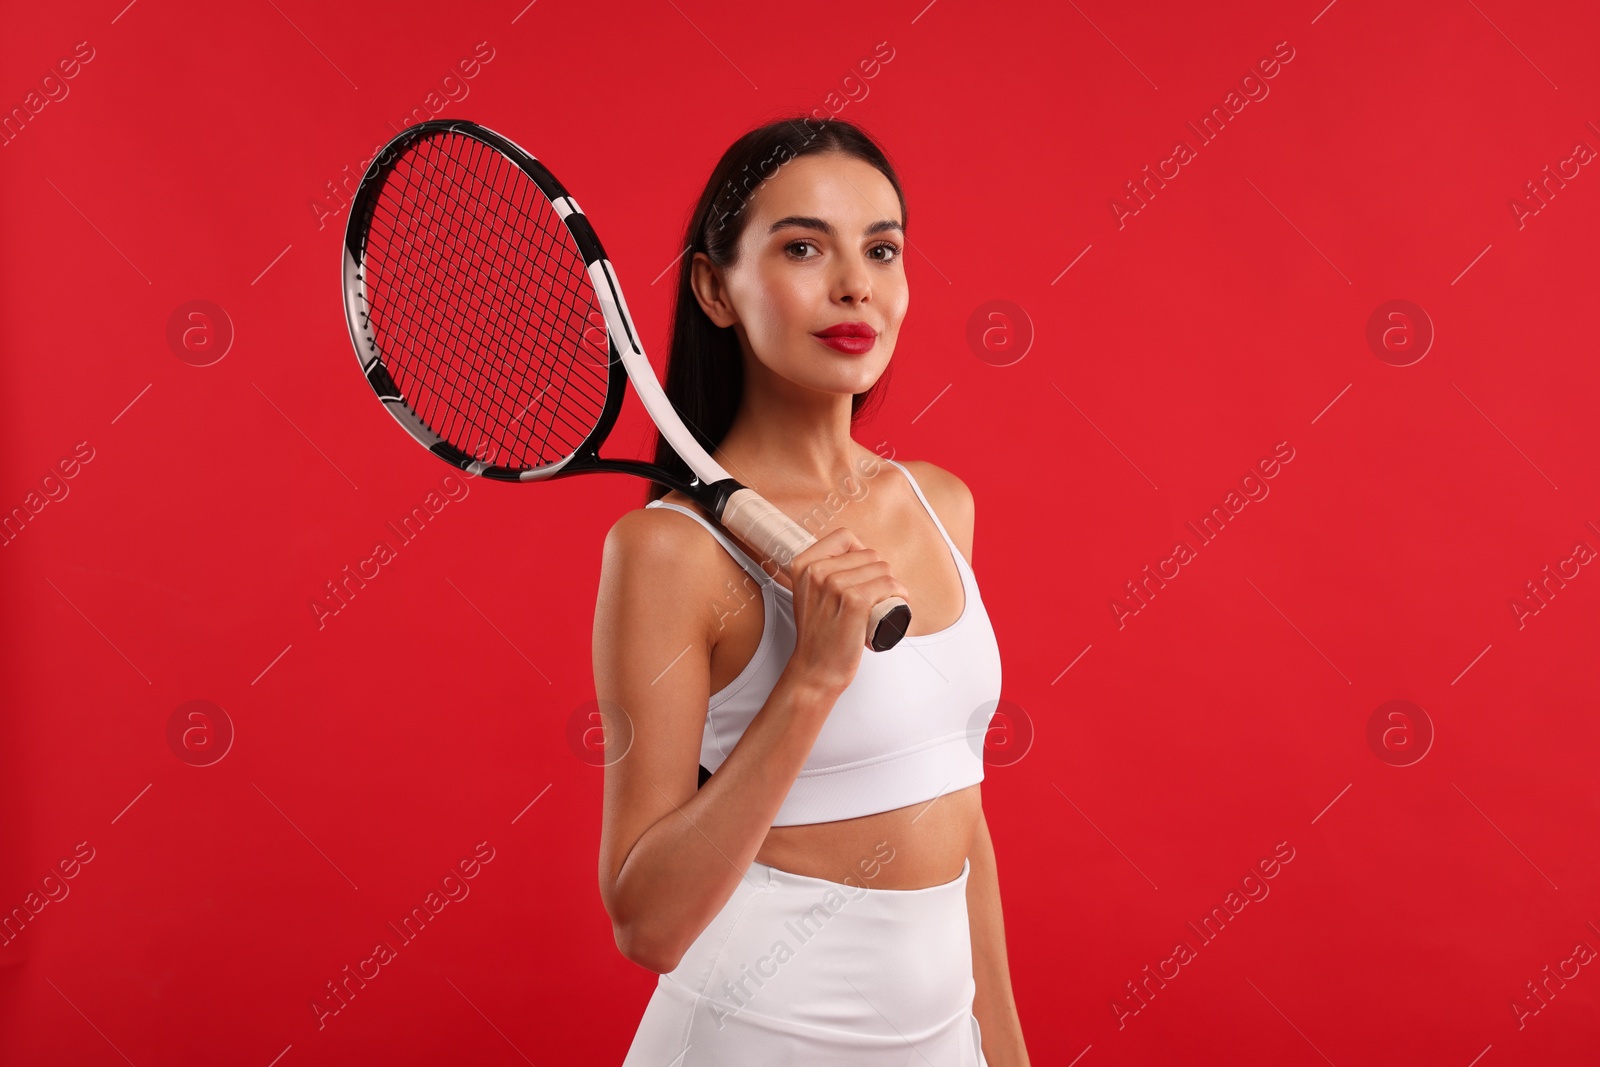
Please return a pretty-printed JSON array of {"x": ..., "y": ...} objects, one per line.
[{"x": 954, "y": 551}]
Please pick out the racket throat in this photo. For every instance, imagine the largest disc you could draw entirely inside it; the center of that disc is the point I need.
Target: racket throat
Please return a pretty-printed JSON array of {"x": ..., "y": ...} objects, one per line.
[{"x": 717, "y": 494}]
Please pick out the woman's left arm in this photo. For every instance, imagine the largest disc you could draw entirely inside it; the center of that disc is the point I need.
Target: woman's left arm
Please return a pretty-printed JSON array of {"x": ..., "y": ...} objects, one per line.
[{"x": 993, "y": 1003}]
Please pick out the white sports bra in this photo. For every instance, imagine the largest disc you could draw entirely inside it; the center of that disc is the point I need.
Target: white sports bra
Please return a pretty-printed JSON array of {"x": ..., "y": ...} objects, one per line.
[{"x": 909, "y": 727}]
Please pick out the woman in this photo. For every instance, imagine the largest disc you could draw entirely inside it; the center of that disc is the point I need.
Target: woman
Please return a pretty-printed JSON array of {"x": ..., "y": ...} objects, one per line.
[{"x": 829, "y": 894}]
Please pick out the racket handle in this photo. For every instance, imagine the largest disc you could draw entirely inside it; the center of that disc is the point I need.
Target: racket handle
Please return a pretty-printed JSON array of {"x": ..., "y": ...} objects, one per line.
[{"x": 775, "y": 536}]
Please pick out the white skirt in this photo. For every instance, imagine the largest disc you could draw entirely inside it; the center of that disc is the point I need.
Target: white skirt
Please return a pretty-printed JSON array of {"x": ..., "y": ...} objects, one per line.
[{"x": 797, "y": 971}]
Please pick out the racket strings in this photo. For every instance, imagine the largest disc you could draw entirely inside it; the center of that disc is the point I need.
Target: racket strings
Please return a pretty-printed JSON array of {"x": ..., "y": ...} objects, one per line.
[
  {"x": 443, "y": 183},
  {"x": 498, "y": 266},
  {"x": 552, "y": 235},
  {"x": 446, "y": 319},
  {"x": 482, "y": 306}
]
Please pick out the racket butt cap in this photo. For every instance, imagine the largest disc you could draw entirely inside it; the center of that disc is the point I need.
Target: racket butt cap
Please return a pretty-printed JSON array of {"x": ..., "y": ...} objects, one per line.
[{"x": 890, "y": 621}]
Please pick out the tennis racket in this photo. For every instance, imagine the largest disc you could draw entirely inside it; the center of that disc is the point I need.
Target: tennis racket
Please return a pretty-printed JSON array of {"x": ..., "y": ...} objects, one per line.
[{"x": 489, "y": 321}]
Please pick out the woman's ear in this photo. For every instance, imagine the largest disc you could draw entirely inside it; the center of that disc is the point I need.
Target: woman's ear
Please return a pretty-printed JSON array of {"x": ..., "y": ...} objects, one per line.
[{"x": 710, "y": 290}]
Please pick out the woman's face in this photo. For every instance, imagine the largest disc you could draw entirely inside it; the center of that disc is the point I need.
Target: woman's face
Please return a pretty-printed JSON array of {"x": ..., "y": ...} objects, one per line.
[{"x": 823, "y": 246}]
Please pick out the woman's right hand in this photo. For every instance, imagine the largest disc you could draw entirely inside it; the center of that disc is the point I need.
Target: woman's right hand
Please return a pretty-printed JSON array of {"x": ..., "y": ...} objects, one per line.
[{"x": 837, "y": 581}]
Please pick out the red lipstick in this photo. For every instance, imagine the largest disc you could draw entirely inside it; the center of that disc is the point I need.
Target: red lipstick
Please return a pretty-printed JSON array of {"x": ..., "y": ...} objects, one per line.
[{"x": 853, "y": 338}]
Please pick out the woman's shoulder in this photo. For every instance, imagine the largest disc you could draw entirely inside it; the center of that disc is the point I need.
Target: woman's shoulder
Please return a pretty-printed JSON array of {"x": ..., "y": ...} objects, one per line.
[
  {"x": 940, "y": 486},
  {"x": 921, "y": 466},
  {"x": 659, "y": 534},
  {"x": 658, "y": 555},
  {"x": 949, "y": 498}
]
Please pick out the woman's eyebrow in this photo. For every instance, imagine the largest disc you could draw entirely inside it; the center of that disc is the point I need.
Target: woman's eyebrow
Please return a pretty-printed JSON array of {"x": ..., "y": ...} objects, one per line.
[{"x": 811, "y": 222}]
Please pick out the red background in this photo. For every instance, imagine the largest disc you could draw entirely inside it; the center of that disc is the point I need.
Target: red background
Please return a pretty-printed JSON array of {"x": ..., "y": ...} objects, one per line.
[{"x": 1228, "y": 715}]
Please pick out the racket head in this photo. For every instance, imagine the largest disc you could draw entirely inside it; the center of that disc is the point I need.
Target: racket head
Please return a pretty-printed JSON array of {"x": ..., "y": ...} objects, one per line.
[{"x": 471, "y": 305}]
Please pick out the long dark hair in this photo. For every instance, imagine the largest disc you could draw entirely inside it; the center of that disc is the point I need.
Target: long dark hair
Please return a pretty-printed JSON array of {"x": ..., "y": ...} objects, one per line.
[{"x": 705, "y": 368}]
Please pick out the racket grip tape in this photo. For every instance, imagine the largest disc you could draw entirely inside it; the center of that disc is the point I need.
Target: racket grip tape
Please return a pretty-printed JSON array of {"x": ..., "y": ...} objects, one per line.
[{"x": 775, "y": 536}]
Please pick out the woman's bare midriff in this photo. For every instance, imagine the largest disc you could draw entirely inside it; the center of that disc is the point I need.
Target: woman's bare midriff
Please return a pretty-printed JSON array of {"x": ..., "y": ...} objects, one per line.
[{"x": 908, "y": 848}]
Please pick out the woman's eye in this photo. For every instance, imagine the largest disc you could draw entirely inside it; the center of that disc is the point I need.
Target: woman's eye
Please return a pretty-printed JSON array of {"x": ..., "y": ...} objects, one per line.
[
  {"x": 792, "y": 245},
  {"x": 893, "y": 249}
]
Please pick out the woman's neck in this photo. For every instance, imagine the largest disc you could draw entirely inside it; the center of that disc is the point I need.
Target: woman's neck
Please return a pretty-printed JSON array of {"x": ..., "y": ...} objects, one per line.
[{"x": 791, "y": 448}]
